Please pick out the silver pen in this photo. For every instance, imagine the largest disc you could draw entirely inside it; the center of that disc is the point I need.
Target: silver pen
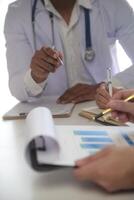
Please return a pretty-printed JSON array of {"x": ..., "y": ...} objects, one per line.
[
  {"x": 109, "y": 81},
  {"x": 61, "y": 61}
]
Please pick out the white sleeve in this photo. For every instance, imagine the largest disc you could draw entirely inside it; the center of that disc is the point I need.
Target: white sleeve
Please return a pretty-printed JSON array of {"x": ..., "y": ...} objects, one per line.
[
  {"x": 125, "y": 27},
  {"x": 116, "y": 82},
  {"x": 125, "y": 78},
  {"x": 19, "y": 54},
  {"x": 33, "y": 88}
]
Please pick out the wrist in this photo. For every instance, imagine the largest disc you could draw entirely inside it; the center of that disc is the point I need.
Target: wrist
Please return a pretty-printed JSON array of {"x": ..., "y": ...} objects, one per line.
[
  {"x": 37, "y": 79},
  {"x": 98, "y": 85},
  {"x": 93, "y": 90}
]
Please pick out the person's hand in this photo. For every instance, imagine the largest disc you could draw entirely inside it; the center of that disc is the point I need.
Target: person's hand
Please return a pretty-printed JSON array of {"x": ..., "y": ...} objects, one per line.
[
  {"x": 43, "y": 62},
  {"x": 79, "y": 93},
  {"x": 112, "y": 168},
  {"x": 124, "y": 111},
  {"x": 102, "y": 96}
]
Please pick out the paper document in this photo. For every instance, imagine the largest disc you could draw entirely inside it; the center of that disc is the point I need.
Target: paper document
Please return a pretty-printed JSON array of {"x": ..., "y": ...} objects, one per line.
[
  {"x": 21, "y": 110},
  {"x": 66, "y": 144}
]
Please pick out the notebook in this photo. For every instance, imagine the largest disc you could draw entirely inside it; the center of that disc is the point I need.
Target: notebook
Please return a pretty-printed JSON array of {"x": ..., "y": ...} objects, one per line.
[
  {"x": 49, "y": 145},
  {"x": 21, "y": 110}
]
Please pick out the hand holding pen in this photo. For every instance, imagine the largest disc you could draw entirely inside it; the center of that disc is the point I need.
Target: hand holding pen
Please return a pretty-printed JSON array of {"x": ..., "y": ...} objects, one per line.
[
  {"x": 106, "y": 91},
  {"x": 46, "y": 60},
  {"x": 103, "y": 96},
  {"x": 59, "y": 57},
  {"x": 121, "y": 106}
]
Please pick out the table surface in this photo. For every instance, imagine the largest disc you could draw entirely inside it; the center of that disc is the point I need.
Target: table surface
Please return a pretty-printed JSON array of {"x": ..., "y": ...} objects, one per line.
[{"x": 19, "y": 182}]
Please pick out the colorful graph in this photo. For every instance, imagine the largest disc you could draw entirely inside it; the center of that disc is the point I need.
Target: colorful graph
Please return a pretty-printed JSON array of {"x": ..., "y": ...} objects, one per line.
[
  {"x": 93, "y": 141},
  {"x": 128, "y": 139}
]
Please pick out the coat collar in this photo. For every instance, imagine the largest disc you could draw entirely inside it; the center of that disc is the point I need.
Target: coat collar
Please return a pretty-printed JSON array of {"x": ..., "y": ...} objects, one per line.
[{"x": 84, "y": 3}]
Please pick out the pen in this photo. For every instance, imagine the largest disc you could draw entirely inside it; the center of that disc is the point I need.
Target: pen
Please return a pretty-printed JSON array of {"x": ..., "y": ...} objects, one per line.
[
  {"x": 109, "y": 81},
  {"x": 61, "y": 62},
  {"x": 109, "y": 109}
]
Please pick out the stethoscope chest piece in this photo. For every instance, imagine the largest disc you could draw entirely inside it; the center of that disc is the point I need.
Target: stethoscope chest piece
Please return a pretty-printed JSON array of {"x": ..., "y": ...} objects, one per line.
[{"x": 89, "y": 54}]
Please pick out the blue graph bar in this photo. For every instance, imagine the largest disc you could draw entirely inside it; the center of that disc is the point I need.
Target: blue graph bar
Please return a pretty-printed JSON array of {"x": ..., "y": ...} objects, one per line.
[
  {"x": 129, "y": 141},
  {"x": 97, "y": 139},
  {"x": 93, "y": 146},
  {"x": 97, "y": 133}
]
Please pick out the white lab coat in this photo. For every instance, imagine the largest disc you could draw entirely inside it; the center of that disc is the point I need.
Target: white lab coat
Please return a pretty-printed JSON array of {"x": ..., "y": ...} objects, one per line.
[{"x": 111, "y": 20}]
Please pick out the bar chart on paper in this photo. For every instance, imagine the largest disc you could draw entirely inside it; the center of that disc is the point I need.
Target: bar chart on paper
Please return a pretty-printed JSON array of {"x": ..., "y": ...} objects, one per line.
[
  {"x": 76, "y": 142},
  {"x": 90, "y": 142}
]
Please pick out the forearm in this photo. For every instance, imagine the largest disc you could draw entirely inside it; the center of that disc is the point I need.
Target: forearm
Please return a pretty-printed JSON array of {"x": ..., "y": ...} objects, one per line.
[{"x": 17, "y": 87}]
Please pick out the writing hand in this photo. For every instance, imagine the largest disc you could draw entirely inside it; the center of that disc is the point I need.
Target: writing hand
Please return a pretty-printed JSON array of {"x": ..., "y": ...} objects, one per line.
[{"x": 102, "y": 96}]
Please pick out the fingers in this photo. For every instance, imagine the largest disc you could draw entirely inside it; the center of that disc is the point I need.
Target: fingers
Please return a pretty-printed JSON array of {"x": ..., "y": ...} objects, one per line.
[
  {"x": 46, "y": 55},
  {"x": 95, "y": 157},
  {"x": 123, "y": 94},
  {"x": 88, "y": 167},
  {"x": 81, "y": 98},
  {"x": 86, "y": 172},
  {"x": 53, "y": 54},
  {"x": 71, "y": 93},
  {"x": 101, "y": 101},
  {"x": 74, "y": 98},
  {"x": 78, "y": 93},
  {"x": 102, "y": 90},
  {"x": 60, "y": 55},
  {"x": 94, "y": 172},
  {"x": 122, "y": 106},
  {"x": 43, "y": 62},
  {"x": 102, "y": 96},
  {"x": 120, "y": 116},
  {"x": 124, "y": 111},
  {"x": 43, "y": 66},
  {"x": 107, "y": 171},
  {"x": 123, "y": 117}
]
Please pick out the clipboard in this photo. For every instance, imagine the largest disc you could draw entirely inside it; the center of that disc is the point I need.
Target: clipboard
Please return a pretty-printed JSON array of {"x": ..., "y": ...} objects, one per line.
[
  {"x": 49, "y": 147},
  {"x": 40, "y": 167},
  {"x": 21, "y": 110}
]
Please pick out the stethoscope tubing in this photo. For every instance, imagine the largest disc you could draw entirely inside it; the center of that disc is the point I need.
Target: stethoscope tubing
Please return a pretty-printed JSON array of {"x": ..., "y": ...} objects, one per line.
[{"x": 89, "y": 52}]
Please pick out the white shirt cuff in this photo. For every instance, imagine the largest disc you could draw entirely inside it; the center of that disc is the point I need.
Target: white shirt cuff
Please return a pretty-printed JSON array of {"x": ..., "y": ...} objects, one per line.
[{"x": 33, "y": 88}]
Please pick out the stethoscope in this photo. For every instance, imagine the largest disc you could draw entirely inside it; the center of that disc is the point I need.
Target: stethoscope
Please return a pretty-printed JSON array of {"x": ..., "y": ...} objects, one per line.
[{"x": 89, "y": 51}]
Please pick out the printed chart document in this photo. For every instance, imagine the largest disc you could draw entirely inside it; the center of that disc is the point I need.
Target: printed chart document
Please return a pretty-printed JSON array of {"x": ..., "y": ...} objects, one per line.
[
  {"x": 63, "y": 145},
  {"x": 21, "y": 110}
]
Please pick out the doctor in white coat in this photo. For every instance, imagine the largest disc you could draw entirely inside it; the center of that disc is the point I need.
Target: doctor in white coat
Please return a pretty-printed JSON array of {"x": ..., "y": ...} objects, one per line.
[{"x": 59, "y": 47}]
